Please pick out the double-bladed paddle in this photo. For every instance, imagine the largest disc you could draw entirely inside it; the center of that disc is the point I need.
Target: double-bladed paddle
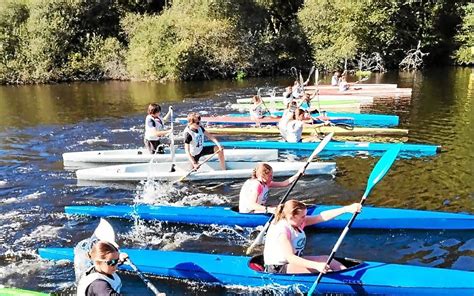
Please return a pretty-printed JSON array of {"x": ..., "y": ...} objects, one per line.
[
  {"x": 319, "y": 148},
  {"x": 144, "y": 279},
  {"x": 379, "y": 171},
  {"x": 172, "y": 169},
  {"x": 197, "y": 168}
]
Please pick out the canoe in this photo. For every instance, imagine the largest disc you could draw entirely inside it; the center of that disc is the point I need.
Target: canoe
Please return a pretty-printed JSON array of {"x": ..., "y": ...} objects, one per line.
[
  {"x": 346, "y": 148},
  {"x": 341, "y": 106},
  {"x": 369, "y": 218},
  {"x": 361, "y": 277},
  {"x": 324, "y": 99},
  {"x": 142, "y": 155},
  {"x": 208, "y": 171},
  {"x": 19, "y": 292},
  {"x": 367, "y": 120},
  {"x": 355, "y": 85},
  {"x": 376, "y": 92},
  {"x": 308, "y": 130}
]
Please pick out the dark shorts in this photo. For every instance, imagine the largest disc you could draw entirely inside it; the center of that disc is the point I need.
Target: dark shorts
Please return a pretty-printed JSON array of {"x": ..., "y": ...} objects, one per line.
[
  {"x": 155, "y": 145},
  {"x": 276, "y": 268},
  {"x": 205, "y": 151}
]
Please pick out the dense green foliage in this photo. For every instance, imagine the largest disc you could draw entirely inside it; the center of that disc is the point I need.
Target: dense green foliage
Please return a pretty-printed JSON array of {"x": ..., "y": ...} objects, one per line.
[{"x": 64, "y": 40}]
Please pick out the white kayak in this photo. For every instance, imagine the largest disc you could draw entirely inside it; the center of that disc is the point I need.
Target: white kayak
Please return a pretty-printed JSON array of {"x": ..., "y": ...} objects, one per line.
[
  {"x": 73, "y": 159},
  {"x": 208, "y": 171},
  {"x": 355, "y": 85},
  {"x": 364, "y": 99}
]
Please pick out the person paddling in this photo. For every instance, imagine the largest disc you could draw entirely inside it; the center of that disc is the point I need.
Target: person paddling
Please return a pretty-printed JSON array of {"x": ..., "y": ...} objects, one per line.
[
  {"x": 194, "y": 139},
  {"x": 257, "y": 109},
  {"x": 101, "y": 278},
  {"x": 154, "y": 128},
  {"x": 286, "y": 239},
  {"x": 254, "y": 192}
]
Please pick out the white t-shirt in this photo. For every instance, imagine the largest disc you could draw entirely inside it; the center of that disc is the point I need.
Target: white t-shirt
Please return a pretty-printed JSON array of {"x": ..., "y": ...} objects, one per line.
[
  {"x": 334, "y": 80},
  {"x": 294, "y": 130},
  {"x": 256, "y": 111},
  {"x": 250, "y": 186},
  {"x": 152, "y": 125},
  {"x": 195, "y": 139},
  {"x": 272, "y": 253}
]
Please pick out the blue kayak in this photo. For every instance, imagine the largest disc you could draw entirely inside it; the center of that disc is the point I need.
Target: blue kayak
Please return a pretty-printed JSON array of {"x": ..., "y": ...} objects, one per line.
[
  {"x": 359, "y": 278},
  {"x": 346, "y": 148},
  {"x": 357, "y": 119},
  {"x": 370, "y": 217}
]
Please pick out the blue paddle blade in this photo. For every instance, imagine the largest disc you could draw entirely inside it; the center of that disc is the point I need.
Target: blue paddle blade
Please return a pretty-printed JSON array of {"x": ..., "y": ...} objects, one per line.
[{"x": 382, "y": 167}]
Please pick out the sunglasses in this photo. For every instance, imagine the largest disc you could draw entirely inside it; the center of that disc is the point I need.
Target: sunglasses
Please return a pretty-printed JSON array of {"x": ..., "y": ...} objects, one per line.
[{"x": 112, "y": 262}]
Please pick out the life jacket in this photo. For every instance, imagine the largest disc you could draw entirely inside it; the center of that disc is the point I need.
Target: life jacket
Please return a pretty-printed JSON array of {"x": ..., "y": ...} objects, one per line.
[
  {"x": 248, "y": 186},
  {"x": 151, "y": 126},
  {"x": 272, "y": 252},
  {"x": 195, "y": 147},
  {"x": 91, "y": 275}
]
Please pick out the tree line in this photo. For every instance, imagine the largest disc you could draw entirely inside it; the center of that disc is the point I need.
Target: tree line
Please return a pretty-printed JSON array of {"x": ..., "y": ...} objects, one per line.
[{"x": 45, "y": 41}]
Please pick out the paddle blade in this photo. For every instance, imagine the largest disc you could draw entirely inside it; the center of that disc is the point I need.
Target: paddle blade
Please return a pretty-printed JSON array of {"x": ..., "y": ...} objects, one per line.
[
  {"x": 259, "y": 239},
  {"x": 105, "y": 232},
  {"x": 321, "y": 146},
  {"x": 382, "y": 167}
]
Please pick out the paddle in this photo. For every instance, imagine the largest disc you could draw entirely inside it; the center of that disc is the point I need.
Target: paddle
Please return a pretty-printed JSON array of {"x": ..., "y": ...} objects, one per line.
[
  {"x": 144, "y": 279},
  {"x": 106, "y": 232},
  {"x": 379, "y": 171},
  {"x": 197, "y": 168},
  {"x": 318, "y": 149},
  {"x": 172, "y": 169}
]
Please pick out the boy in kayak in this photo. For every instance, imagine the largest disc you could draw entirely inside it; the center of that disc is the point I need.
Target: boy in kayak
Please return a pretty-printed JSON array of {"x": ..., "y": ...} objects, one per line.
[
  {"x": 193, "y": 142},
  {"x": 254, "y": 192},
  {"x": 102, "y": 277},
  {"x": 286, "y": 239},
  {"x": 154, "y": 128}
]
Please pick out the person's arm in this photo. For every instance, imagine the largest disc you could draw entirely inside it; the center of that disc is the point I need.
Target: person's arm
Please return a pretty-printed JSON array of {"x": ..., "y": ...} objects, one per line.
[
  {"x": 166, "y": 117},
  {"x": 213, "y": 139},
  {"x": 285, "y": 244},
  {"x": 251, "y": 201},
  {"x": 288, "y": 181},
  {"x": 331, "y": 214}
]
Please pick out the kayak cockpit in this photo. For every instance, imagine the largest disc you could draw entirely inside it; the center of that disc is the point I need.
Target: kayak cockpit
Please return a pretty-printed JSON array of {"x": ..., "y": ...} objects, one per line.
[{"x": 256, "y": 263}]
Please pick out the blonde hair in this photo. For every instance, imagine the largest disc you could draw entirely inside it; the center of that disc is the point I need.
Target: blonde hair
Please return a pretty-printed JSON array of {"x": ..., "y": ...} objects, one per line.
[
  {"x": 261, "y": 169},
  {"x": 194, "y": 117},
  {"x": 289, "y": 209},
  {"x": 256, "y": 99},
  {"x": 100, "y": 250}
]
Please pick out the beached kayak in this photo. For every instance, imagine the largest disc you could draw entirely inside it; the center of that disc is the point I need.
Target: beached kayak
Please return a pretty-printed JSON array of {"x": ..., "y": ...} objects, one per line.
[
  {"x": 361, "y": 277},
  {"x": 208, "y": 171},
  {"x": 346, "y": 148},
  {"x": 308, "y": 130},
  {"x": 357, "y": 119},
  {"x": 19, "y": 292},
  {"x": 142, "y": 155},
  {"x": 370, "y": 217},
  {"x": 326, "y": 99}
]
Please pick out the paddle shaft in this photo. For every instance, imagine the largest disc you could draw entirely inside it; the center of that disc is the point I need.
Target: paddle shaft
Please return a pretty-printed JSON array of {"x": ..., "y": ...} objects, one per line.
[
  {"x": 318, "y": 149},
  {"x": 379, "y": 171},
  {"x": 144, "y": 279},
  {"x": 172, "y": 169},
  {"x": 199, "y": 165}
]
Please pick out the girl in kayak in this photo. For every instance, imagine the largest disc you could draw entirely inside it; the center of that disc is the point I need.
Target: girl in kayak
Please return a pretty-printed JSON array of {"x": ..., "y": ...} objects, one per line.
[
  {"x": 101, "y": 278},
  {"x": 257, "y": 109},
  {"x": 154, "y": 128},
  {"x": 254, "y": 192},
  {"x": 294, "y": 127},
  {"x": 286, "y": 239},
  {"x": 194, "y": 139}
]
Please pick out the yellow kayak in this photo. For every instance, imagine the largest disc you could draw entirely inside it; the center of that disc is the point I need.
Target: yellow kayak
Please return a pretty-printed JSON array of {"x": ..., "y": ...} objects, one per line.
[{"x": 309, "y": 130}]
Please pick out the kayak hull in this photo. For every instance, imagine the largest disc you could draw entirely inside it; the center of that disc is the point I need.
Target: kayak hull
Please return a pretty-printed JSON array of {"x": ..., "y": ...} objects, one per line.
[
  {"x": 323, "y": 99},
  {"x": 307, "y": 130},
  {"x": 207, "y": 171},
  {"x": 339, "y": 148},
  {"x": 369, "y": 218},
  {"x": 142, "y": 155},
  {"x": 360, "y": 278}
]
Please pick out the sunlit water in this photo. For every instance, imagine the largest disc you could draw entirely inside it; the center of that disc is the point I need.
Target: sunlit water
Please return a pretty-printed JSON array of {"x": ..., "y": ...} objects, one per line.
[{"x": 39, "y": 123}]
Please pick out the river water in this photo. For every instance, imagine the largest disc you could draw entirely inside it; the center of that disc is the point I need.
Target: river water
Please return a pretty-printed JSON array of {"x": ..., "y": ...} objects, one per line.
[{"x": 38, "y": 123}]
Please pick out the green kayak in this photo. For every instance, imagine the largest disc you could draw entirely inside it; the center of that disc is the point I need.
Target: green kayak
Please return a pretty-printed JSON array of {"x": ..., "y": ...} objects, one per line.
[{"x": 17, "y": 292}]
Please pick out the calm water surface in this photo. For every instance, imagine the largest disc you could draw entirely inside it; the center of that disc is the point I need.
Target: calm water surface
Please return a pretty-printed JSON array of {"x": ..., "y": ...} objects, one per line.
[{"x": 39, "y": 123}]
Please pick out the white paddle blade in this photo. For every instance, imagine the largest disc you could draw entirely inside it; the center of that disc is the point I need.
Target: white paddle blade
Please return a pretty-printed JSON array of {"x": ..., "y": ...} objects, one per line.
[
  {"x": 321, "y": 146},
  {"x": 259, "y": 239},
  {"x": 105, "y": 232}
]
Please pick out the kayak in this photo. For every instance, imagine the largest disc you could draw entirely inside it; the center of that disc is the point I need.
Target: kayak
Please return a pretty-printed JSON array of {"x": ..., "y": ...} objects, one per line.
[
  {"x": 355, "y": 86},
  {"x": 369, "y": 218},
  {"x": 368, "y": 120},
  {"x": 375, "y": 92},
  {"x": 354, "y": 107},
  {"x": 361, "y": 277},
  {"x": 19, "y": 292},
  {"x": 273, "y": 120},
  {"x": 142, "y": 155},
  {"x": 308, "y": 130},
  {"x": 339, "y": 148},
  {"x": 207, "y": 171},
  {"x": 326, "y": 99}
]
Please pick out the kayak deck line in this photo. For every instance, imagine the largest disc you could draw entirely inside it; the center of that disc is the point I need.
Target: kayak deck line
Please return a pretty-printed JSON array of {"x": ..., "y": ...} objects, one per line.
[
  {"x": 369, "y": 218},
  {"x": 365, "y": 277}
]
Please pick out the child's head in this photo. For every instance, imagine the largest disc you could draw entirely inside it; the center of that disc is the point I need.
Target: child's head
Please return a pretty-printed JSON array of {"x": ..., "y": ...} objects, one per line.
[
  {"x": 337, "y": 73},
  {"x": 153, "y": 109},
  {"x": 299, "y": 114},
  {"x": 256, "y": 99},
  {"x": 194, "y": 118},
  {"x": 263, "y": 172}
]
